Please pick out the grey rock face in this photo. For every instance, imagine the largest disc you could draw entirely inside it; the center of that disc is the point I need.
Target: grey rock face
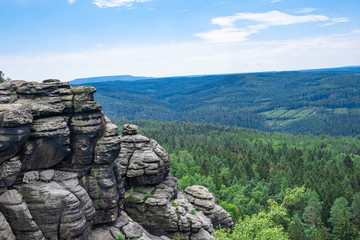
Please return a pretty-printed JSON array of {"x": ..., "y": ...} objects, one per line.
[
  {"x": 14, "y": 115},
  {"x": 41, "y": 99},
  {"x": 124, "y": 227},
  {"x": 5, "y": 229},
  {"x": 102, "y": 188},
  {"x": 66, "y": 167},
  {"x": 11, "y": 140},
  {"x": 9, "y": 171},
  {"x": 85, "y": 129},
  {"x": 71, "y": 183},
  {"x": 161, "y": 210},
  {"x": 142, "y": 161},
  {"x": 30, "y": 177},
  {"x": 57, "y": 212},
  {"x": 108, "y": 147},
  {"x": 48, "y": 144},
  {"x": 18, "y": 215},
  {"x": 130, "y": 129},
  {"x": 204, "y": 201}
]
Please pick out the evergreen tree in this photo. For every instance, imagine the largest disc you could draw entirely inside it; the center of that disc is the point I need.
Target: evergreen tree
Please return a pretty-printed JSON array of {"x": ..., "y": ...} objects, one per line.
[
  {"x": 296, "y": 229},
  {"x": 344, "y": 228},
  {"x": 340, "y": 216},
  {"x": 1, "y": 77},
  {"x": 312, "y": 213},
  {"x": 355, "y": 210}
]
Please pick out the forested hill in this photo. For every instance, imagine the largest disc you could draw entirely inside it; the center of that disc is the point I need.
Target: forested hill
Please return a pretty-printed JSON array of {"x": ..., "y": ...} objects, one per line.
[
  {"x": 245, "y": 168},
  {"x": 299, "y": 102}
]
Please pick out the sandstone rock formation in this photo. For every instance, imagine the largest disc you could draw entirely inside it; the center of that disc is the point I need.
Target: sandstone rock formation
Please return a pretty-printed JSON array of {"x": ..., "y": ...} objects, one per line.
[
  {"x": 204, "y": 201},
  {"x": 65, "y": 173}
]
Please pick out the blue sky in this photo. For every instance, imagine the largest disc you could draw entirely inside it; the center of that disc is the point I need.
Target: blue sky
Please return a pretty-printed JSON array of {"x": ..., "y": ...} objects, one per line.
[{"x": 68, "y": 39}]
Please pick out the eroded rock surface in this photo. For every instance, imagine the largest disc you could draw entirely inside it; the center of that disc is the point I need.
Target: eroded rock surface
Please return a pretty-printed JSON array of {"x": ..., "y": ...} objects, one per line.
[
  {"x": 64, "y": 170},
  {"x": 141, "y": 161},
  {"x": 204, "y": 201}
]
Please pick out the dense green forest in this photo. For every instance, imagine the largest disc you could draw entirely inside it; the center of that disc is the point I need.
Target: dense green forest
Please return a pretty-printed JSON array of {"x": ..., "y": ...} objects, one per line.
[
  {"x": 245, "y": 168},
  {"x": 297, "y": 102}
]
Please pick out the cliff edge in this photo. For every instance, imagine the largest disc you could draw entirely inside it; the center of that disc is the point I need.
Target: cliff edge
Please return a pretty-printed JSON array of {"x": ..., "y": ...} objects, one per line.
[{"x": 65, "y": 173}]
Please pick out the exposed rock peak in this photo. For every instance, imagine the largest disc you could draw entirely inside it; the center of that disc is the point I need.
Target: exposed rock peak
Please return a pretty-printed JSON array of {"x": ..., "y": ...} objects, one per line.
[{"x": 64, "y": 170}]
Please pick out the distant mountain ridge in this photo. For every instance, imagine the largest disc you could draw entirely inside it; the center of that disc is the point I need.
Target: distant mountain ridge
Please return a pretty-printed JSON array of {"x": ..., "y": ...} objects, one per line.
[
  {"x": 340, "y": 70},
  {"x": 320, "y": 101},
  {"x": 107, "y": 79}
]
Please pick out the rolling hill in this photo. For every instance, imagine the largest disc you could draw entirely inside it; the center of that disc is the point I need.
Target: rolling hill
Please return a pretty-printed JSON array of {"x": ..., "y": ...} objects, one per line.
[{"x": 313, "y": 101}]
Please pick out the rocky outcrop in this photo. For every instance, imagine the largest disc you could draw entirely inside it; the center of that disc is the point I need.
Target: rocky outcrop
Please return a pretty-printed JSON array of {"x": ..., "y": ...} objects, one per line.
[
  {"x": 204, "y": 201},
  {"x": 141, "y": 161},
  {"x": 152, "y": 197},
  {"x": 64, "y": 170}
]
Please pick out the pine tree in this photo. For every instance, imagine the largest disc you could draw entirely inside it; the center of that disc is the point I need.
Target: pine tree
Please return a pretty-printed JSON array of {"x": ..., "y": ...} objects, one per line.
[
  {"x": 312, "y": 213},
  {"x": 344, "y": 228},
  {"x": 340, "y": 216},
  {"x": 296, "y": 229},
  {"x": 355, "y": 210}
]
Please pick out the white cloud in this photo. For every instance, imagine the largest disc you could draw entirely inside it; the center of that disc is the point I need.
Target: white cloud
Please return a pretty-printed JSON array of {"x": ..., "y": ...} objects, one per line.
[
  {"x": 265, "y": 20},
  {"x": 71, "y": 1},
  {"x": 356, "y": 31},
  {"x": 188, "y": 59},
  {"x": 117, "y": 3},
  {"x": 306, "y": 10}
]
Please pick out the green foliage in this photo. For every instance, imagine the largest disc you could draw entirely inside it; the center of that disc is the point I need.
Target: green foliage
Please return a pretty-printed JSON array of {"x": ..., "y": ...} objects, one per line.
[
  {"x": 174, "y": 204},
  {"x": 245, "y": 168},
  {"x": 123, "y": 238},
  {"x": 235, "y": 212},
  {"x": 193, "y": 212},
  {"x": 355, "y": 210},
  {"x": 296, "y": 229},
  {"x": 264, "y": 225},
  {"x": 1, "y": 77},
  {"x": 312, "y": 213},
  {"x": 340, "y": 216},
  {"x": 148, "y": 195}
]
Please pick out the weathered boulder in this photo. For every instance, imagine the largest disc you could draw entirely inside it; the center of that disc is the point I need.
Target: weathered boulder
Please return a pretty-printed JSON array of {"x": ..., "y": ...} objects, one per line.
[
  {"x": 48, "y": 144},
  {"x": 85, "y": 130},
  {"x": 9, "y": 171},
  {"x": 130, "y": 129},
  {"x": 40, "y": 98},
  {"x": 70, "y": 182},
  {"x": 5, "y": 229},
  {"x": 57, "y": 212},
  {"x": 83, "y": 100},
  {"x": 11, "y": 140},
  {"x": 19, "y": 217},
  {"x": 161, "y": 210},
  {"x": 124, "y": 227},
  {"x": 13, "y": 129},
  {"x": 204, "y": 201},
  {"x": 141, "y": 161},
  {"x": 102, "y": 187},
  {"x": 108, "y": 147}
]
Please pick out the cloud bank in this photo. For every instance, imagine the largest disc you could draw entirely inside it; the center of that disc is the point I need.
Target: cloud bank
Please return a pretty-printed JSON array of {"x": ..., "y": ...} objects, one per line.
[
  {"x": 117, "y": 3},
  {"x": 230, "y": 32},
  {"x": 193, "y": 58}
]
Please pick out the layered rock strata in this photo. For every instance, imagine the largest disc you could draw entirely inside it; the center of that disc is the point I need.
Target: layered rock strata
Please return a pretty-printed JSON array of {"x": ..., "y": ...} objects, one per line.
[
  {"x": 152, "y": 197},
  {"x": 64, "y": 170},
  {"x": 204, "y": 201}
]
